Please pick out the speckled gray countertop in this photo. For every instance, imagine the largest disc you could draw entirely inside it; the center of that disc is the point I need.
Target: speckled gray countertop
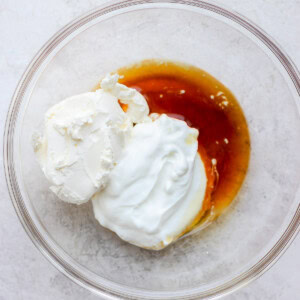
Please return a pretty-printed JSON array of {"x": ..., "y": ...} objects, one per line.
[{"x": 25, "y": 26}]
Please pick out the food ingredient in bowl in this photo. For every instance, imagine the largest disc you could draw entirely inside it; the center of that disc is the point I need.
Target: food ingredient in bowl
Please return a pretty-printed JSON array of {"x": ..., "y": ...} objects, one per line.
[
  {"x": 157, "y": 188},
  {"x": 83, "y": 138},
  {"x": 137, "y": 107}
]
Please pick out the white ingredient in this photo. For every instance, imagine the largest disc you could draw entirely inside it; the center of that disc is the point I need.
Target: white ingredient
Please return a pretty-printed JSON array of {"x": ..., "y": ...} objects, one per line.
[
  {"x": 158, "y": 186},
  {"x": 83, "y": 138},
  {"x": 138, "y": 109}
]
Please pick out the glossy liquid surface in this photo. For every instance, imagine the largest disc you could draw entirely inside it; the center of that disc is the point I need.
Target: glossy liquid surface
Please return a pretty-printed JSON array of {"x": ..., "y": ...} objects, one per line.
[{"x": 190, "y": 94}]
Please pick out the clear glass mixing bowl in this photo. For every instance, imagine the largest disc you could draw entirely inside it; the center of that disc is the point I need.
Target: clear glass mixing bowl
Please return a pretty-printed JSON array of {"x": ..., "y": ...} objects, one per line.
[{"x": 261, "y": 222}]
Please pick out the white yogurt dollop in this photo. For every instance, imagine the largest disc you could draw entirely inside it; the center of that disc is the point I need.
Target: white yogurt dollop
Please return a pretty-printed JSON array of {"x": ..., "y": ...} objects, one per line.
[{"x": 157, "y": 187}]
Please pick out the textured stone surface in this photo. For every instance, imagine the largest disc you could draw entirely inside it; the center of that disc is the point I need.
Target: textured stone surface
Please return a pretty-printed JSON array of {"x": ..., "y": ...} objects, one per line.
[{"x": 25, "y": 26}]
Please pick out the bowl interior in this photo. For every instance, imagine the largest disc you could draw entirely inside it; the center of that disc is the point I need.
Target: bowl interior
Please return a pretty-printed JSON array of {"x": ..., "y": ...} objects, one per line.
[{"x": 268, "y": 197}]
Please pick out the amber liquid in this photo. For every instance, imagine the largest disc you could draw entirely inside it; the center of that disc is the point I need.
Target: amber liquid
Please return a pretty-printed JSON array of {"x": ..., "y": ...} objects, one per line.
[{"x": 190, "y": 94}]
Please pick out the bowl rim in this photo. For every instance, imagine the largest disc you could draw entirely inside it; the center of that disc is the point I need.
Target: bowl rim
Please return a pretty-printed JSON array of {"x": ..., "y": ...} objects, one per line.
[{"x": 11, "y": 179}]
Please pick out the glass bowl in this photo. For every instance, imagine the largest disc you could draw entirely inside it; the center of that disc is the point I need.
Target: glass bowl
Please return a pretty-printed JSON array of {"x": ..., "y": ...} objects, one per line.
[{"x": 263, "y": 219}]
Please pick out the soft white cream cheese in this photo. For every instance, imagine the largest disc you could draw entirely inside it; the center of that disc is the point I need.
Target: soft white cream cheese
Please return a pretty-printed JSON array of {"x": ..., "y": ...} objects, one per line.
[
  {"x": 157, "y": 187},
  {"x": 82, "y": 141},
  {"x": 138, "y": 109}
]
